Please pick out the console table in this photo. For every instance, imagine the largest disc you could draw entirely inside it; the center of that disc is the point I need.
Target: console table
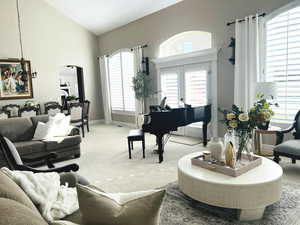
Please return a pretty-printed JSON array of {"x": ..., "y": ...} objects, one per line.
[{"x": 250, "y": 192}]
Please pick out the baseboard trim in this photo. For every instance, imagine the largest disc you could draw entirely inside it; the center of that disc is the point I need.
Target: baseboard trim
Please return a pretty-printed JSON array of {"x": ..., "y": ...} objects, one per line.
[
  {"x": 124, "y": 124},
  {"x": 118, "y": 123},
  {"x": 96, "y": 121}
]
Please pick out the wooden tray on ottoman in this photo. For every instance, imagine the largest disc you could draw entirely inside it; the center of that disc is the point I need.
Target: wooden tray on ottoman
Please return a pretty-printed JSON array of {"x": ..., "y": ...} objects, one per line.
[{"x": 240, "y": 169}]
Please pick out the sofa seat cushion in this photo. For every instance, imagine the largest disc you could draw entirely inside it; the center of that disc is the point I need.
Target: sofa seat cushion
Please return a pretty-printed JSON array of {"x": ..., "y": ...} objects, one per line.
[
  {"x": 67, "y": 142},
  {"x": 10, "y": 190},
  {"x": 29, "y": 147},
  {"x": 14, "y": 213},
  {"x": 289, "y": 147}
]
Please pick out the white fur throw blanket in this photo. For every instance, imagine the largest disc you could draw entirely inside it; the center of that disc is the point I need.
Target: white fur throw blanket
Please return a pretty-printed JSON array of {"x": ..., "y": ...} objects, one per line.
[{"x": 53, "y": 200}]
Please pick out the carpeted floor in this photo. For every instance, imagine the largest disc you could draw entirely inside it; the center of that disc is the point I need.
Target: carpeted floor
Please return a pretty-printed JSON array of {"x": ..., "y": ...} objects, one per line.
[{"x": 105, "y": 162}]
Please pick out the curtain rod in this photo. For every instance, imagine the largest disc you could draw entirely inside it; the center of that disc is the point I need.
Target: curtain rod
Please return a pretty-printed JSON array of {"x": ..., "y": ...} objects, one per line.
[
  {"x": 242, "y": 20},
  {"x": 143, "y": 46},
  {"x": 131, "y": 49}
]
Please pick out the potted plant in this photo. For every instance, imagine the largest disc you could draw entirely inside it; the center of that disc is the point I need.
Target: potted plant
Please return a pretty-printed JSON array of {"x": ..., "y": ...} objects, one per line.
[
  {"x": 262, "y": 111},
  {"x": 142, "y": 88}
]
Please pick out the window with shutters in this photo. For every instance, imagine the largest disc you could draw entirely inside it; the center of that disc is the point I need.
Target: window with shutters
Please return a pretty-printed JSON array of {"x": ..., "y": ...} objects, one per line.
[
  {"x": 196, "y": 87},
  {"x": 170, "y": 87},
  {"x": 188, "y": 82},
  {"x": 186, "y": 42},
  {"x": 283, "y": 62},
  {"x": 121, "y": 72}
]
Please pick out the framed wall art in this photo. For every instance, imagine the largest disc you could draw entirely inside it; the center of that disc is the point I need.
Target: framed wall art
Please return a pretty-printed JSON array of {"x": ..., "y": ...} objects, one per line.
[{"x": 14, "y": 83}]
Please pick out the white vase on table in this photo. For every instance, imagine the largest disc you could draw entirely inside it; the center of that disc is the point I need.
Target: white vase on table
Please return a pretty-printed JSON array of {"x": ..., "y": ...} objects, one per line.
[{"x": 216, "y": 147}]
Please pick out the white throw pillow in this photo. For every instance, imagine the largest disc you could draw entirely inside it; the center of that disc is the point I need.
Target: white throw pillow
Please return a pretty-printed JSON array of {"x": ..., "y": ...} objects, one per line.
[
  {"x": 59, "y": 125},
  {"x": 42, "y": 131}
]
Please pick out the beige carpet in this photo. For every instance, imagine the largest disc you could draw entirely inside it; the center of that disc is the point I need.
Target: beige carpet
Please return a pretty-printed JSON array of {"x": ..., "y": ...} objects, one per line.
[
  {"x": 105, "y": 162},
  {"x": 190, "y": 141}
]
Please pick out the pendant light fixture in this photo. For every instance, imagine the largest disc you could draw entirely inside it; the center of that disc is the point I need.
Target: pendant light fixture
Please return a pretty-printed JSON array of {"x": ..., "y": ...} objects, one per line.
[
  {"x": 20, "y": 39},
  {"x": 23, "y": 61}
]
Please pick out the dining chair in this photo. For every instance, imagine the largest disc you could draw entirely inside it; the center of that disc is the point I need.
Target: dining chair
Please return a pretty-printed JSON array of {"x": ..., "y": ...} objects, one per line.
[
  {"x": 52, "y": 110},
  {"x": 4, "y": 115},
  {"x": 76, "y": 113},
  {"x": 28, "y": 111},
  {"x": 86, "y": 110},
  {"x": 13, "y": 109},
  {"x": 50, "y": 103}
]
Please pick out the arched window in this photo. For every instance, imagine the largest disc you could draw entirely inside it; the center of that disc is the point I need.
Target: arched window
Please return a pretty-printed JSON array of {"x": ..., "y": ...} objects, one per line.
[
  {"x": 186, "y": 42},
  {"x": 121, "y": 72},
  {"x": 283, "y": 61}
]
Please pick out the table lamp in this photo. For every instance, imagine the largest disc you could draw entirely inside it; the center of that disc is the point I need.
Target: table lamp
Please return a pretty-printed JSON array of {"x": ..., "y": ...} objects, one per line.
[{"x": 269, "y": 89}]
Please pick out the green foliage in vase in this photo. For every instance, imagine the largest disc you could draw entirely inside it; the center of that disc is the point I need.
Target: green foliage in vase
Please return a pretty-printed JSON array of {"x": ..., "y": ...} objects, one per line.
[
  {"x": 243, "y": 123},
  {"x": 141, "y": 86},
  {"x": 262, "y": 110},
  {"x": 71, "y": 97}
]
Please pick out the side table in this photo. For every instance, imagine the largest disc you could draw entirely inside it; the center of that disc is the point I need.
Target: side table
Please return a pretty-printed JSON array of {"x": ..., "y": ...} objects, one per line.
[{"x": 258, "y": 140}]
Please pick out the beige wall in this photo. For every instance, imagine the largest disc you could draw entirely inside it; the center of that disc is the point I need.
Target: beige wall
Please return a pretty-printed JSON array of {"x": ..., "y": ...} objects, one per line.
[
  {"x": 50, "y": 41},
  {"x": 205, "y": 15}
]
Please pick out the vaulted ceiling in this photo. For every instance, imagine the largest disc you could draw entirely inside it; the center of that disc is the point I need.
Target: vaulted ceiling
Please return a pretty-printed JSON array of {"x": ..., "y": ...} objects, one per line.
[{"x": 100, "y": 16}]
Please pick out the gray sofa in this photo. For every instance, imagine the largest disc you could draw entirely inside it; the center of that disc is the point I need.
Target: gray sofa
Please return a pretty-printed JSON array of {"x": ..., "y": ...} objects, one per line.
[
  {"x": 21, "y": 131},
  {"x": 16, "y": 208}
]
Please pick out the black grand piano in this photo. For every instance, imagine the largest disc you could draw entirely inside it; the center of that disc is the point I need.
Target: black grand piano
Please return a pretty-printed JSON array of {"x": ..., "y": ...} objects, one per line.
[{"x": 161, "y": 121}]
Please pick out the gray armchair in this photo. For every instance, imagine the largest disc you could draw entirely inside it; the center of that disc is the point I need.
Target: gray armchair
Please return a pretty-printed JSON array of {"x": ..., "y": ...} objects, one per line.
[{"x": 290, "y": 148}]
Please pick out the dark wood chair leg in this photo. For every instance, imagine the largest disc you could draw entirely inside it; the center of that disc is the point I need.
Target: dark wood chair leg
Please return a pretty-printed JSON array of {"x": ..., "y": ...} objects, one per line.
[
  {"x": 294, "y": 161},
  {"x": 143, "y": 144},
  {"x": 129, "y": 149},
  {"x": 276, "y": 158},
  {"x": 132, "y": 145},
  {"x": 82, "y": 128},
  {"x": 204, "y": 130},
  {"x": 88, "y": 125}
]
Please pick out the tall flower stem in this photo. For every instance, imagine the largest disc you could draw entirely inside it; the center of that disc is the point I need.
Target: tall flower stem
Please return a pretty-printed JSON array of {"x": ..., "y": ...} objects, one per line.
[{"x": 243, "y": 138}]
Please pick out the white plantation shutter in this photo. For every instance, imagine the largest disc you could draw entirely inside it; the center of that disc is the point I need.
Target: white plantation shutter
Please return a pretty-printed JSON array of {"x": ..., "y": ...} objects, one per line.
[
  {"x": 128, "y": 74},
  {"x": 115, "y": 79},
  {"x": 196, "y": 87},
  {"x": 170, "y": 88},
  {"x": 121, "y": 72},
  {"x": 283, "y": 62}
]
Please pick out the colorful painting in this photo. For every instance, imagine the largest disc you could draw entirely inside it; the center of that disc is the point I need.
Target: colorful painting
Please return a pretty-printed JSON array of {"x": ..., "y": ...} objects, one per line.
[{"x": 14, "y": 84}]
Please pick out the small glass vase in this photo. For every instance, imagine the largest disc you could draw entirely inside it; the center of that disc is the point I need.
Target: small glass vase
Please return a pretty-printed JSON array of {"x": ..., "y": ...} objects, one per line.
[
  {"x": 229, "y": 137},
  {"x": 243, "y": 144}
]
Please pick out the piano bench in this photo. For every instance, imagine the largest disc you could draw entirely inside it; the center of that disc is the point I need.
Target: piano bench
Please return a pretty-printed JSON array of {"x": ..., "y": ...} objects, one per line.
[{"x": 135, "y": 135}]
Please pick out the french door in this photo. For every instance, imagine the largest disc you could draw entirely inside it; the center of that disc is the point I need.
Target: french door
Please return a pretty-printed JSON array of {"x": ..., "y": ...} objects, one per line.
[{"x": 190, "y": 83}]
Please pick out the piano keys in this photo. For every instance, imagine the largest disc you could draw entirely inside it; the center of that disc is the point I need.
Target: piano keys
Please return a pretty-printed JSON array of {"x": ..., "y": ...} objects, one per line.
[{"x": 160, "y": 122}]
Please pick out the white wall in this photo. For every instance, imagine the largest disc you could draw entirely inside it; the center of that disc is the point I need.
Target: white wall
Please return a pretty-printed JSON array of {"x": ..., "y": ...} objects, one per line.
[
  {"x": 50, "y": 42},
  {"x": 188, "y": 15}
]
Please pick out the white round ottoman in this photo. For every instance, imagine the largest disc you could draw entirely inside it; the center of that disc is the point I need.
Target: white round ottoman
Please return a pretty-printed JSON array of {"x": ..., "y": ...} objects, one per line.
[{"x": 250, "y": 192}]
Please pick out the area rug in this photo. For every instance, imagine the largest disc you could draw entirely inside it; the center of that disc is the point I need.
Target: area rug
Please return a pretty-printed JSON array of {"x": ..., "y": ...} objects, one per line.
[
  {"x": 190, "y": 141},
  {"x": 178, "y": 209}
]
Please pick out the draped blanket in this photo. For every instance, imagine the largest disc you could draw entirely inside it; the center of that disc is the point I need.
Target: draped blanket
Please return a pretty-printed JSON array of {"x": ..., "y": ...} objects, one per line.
[{"x": 53, "y": 200}]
